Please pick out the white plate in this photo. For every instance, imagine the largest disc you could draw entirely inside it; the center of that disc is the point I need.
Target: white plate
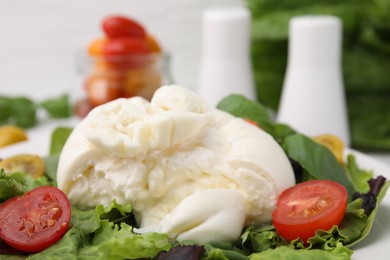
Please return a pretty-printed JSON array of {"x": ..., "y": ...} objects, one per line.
[{"x": 374, "y": 246}]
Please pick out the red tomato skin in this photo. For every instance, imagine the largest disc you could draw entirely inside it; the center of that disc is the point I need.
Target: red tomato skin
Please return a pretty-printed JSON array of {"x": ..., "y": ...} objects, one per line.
[
  {"x": 326, "y": 209},
  {"x": 36, "y": 220},
  {"x": 125, "y": 53},
  {"x": 125, "y": 46},
  {"x": 119, "y": 26}
]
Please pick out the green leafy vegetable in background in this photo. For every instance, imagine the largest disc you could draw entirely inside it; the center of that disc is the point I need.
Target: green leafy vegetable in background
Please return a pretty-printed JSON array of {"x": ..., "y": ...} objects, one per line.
[
  {"x": 22, "y": 111},
  {"x": 365, "y": 59},
  {"x": 57, "y": 108}
]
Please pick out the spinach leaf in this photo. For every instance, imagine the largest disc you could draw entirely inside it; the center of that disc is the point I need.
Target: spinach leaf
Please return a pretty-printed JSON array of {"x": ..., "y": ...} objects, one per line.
[
  {"x": 316, "y": 160},
  {"x": 58, "y": 139},
  {"x": 240, "y": 106}
]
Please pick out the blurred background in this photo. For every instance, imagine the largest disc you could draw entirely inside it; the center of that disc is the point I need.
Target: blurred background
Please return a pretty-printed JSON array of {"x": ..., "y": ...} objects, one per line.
[{"x": 40, "y": 40}]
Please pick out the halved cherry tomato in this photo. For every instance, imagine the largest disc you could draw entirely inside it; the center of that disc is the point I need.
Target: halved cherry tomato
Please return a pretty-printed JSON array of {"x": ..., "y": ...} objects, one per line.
[
  {"x": 118, "y": 26},
  {"x": 36, "y": 220},
  {"x": 309, "y": 206},
  {"x": 154, "y": 46},
  {"x": 27, "y": 163}
]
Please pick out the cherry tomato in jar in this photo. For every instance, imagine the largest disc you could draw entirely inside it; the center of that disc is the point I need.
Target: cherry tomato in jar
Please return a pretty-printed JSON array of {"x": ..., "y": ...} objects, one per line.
[
  {"x": 82, "y": 108},
  {"x": 104, "y": 87},
  {"x": 153, "y": 44},
  {"x": 309, "y": 206},
  {"x": 142, "y": 82},
  {"x": 124, "y": 53},
  {"x": 119, "y": 26},
  {"x": 95, "y": 48},
  {"x": 36, "y": 220}
]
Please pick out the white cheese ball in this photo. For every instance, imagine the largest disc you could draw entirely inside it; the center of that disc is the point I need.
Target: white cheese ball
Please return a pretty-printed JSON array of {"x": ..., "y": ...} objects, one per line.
[{"x": 156, "y": 154}]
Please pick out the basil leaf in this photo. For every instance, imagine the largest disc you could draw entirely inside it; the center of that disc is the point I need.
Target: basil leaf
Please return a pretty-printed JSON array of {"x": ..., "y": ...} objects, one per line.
[
  {"x": 240, "y": 106},
  {"x": 316, "y": 160},
  {"x": 58, "y": 107}
]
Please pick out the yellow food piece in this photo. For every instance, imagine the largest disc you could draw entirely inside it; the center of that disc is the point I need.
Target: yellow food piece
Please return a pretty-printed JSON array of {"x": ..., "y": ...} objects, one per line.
[
  {"x": 334, "y": 144},
  {"x": 10, "y": 134},
  {"x": 26, "y": 163}
]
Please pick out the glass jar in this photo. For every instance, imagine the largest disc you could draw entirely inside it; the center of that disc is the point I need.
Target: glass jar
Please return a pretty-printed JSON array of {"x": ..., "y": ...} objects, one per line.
[{"x": 104, "y": 79}]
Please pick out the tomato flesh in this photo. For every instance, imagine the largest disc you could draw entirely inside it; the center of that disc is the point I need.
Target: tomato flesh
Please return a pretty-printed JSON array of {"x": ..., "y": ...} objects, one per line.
[
  {"x": 309, "y": 206},
  {"x": 35, "y": 220}
]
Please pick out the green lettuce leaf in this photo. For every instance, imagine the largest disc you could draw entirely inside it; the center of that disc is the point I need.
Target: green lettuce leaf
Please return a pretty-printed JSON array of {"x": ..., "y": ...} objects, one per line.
[
  {"x": 18, "y": 183},
  {"x": 9, "y": 187},
  {"x": 112, "y": 242},
  {"x": 28, "y": 182},
  {"x": 94, "y": 234},
  {"x": 358, "y": 176},
  {"x": 223, "y": 250},
  {"x": 370, "y": 220},
  {"x": 116, "y": 213},
  {"x": 289, "y": 253}
]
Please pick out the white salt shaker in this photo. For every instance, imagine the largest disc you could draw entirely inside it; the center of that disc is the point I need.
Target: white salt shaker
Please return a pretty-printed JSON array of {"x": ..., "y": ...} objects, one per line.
[
  {"x": 225, "y": 64},
  {"x": 313, "y": 99}
]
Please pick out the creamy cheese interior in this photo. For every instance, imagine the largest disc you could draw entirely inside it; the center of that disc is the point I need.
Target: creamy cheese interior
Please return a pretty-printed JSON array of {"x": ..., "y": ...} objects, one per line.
[{"x": 156, "y": 154}]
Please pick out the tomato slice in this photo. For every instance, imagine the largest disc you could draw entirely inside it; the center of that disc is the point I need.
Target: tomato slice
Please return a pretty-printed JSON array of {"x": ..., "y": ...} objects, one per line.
[
  {"x": 35, "y": 220},
  {"x": 309, "y": 206}
]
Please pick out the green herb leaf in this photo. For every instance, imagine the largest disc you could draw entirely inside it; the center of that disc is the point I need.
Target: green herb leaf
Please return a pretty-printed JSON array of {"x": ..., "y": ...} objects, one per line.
[
  {"x": 58, "y": 107},
  {"x": 23, "y": 112},
  {"x": 316, "y": 160},
  {"x": 58, "y": 139},
  {"x": 240, "y": 106},
  {"x": 5, "y": 109}
]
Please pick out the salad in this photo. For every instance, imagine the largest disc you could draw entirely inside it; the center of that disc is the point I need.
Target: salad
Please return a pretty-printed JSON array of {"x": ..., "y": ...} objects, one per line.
[{"x": 107, "y": 232}]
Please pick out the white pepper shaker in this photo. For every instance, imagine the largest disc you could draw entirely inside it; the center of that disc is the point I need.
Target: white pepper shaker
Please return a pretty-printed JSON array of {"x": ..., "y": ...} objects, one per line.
[
  {"x": 313, "y": 98},
  {"x": 225, "y": 64}
]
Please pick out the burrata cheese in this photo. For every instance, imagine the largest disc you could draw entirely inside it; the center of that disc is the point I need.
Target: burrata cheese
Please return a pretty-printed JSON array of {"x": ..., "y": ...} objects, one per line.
[{"x": 175, "y": 160}]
